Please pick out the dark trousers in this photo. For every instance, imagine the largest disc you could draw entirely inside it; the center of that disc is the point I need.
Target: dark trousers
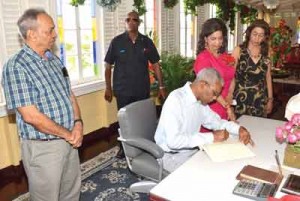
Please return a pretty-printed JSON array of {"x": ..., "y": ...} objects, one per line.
[{"x": 123, "y": 100}]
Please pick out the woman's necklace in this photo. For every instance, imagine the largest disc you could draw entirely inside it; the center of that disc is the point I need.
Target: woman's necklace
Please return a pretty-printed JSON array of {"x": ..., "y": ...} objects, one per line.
[
  {"x": 214, "y": 53},
  {"x": 254, "y": 56}
]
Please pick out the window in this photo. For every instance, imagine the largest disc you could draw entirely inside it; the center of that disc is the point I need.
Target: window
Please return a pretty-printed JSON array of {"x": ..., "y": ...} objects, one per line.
[
  {"x": 149, "y": 22},
  {"x": 79, "y": 45},
  {"x": 186, "y": 32}
]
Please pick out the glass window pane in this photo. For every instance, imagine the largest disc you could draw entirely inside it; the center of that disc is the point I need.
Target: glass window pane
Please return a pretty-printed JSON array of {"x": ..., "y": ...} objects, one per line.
[
  {"x": 85, "y": 20},
  {"x": 68, "y": 15},
  {"x": 70, "y": 43},
  {"x": 86, "y": 41},
  {"x": 88, "y": 65},
  {"x": 72, "y": 66}
]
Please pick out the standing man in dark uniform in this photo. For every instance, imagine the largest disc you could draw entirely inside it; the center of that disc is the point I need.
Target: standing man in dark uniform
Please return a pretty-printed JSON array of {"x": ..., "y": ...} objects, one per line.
[{"x": 130, "y": 53}]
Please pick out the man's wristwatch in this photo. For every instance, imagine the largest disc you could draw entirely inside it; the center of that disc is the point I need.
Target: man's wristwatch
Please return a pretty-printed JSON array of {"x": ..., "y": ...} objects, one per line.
[{"x": 78, "y": 120}]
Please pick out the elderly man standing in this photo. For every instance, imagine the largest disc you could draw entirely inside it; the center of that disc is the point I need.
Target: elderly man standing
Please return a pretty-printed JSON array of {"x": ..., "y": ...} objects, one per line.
[
  {"x": 183, "y": 113},
  {"x": 37, "y": 85}
]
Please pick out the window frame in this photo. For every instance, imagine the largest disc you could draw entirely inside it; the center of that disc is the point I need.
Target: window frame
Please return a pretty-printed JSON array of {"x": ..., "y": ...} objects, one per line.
[{"x": 80, "y": 88}]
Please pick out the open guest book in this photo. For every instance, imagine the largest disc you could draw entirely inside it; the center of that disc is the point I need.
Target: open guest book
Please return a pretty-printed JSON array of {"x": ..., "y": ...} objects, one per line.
[{"x": 228, "y": 150}]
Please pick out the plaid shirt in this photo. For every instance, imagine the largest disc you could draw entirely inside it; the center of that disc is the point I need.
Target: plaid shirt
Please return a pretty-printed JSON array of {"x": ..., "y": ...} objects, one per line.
[{"x": 29, "y": 79}]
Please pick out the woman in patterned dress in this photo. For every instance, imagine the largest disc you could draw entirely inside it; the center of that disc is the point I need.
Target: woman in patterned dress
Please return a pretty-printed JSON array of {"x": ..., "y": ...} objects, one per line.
[{"x": 253, "y": 83}]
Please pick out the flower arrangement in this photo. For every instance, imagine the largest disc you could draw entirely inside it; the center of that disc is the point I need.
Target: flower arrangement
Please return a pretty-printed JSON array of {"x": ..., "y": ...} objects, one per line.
[
  {"x": 228, "y": 59},
  {"x": 280, "y": 43},
  {"x": 290, "y": 132}
]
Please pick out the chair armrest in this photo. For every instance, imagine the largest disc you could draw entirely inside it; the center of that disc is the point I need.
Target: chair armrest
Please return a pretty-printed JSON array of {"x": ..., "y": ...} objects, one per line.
[{"x": 146, "y": 145}]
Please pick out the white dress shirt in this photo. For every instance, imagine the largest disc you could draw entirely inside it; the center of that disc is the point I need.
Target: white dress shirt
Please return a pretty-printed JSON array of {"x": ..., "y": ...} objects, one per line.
[{"x": 181, "y": 118}]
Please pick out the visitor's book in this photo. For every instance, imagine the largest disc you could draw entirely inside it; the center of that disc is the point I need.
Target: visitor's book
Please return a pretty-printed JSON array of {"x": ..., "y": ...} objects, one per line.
[{"x": 259, "y": 174}]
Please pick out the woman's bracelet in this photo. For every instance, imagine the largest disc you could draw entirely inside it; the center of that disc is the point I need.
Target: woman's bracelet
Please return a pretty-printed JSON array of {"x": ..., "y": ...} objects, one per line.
[
  {"x": 270, "y": 99},
  {"x": 162, "y": 87},
  {"x": 226, "y": 105}
]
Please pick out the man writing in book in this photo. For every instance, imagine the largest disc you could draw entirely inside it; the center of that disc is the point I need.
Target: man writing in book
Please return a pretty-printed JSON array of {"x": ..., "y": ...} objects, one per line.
[{"x": 183, "y": 113}]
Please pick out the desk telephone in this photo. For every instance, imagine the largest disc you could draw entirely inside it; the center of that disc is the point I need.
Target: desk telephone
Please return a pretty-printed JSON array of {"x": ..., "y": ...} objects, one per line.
[{"x": 254, "y": 190}]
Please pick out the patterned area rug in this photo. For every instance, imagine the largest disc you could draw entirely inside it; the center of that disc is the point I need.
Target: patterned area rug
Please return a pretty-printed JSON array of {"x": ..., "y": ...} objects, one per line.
[{"x": 105, "y": 178}]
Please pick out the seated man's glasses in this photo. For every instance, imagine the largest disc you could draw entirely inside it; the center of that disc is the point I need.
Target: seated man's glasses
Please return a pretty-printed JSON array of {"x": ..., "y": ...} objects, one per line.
[
  {"x": 132, "y": 19},
  {"x": 215, "y": 93}
]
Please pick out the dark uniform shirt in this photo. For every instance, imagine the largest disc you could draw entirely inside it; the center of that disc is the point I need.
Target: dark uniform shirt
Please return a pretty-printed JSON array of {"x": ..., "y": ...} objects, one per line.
[{"x": 131, "y": 75}]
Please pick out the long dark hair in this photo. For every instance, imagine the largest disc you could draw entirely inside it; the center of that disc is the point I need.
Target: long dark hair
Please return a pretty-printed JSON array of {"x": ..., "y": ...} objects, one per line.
[
  {"x": 264, "y": 45},
  {"x": 210, "y": 26}
]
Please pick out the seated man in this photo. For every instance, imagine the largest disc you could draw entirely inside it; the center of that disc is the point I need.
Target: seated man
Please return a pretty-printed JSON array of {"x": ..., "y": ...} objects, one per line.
[{"x": 183, "y": 113}]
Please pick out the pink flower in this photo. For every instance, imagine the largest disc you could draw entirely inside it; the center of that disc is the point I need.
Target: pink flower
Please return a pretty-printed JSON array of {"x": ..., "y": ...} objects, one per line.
[
  {"x": 296, "y": 119},
  {"x": 288, "y": 125},
  {"x": 297, "y": 133},
  {"x": 279, "y": 133},
  {"x": 290, "y": 131},
  {"x": 292, "y": 138}
]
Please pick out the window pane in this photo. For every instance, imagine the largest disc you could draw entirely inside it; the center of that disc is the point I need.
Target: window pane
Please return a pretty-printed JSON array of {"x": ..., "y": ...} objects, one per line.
[
  {"x": 79, "y": 40},
  {"x": 72, "y": 66},
  {"x": 88, "y": 65},
  {"x": 68, "y": 15},
  {"x": 85, "y": 21},
  {"x": 87, "y": 53},
  {"x": 71, "y": 42}
]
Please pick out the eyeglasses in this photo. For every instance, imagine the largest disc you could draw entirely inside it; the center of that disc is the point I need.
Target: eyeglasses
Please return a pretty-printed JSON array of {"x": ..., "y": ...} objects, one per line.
[
  {"x": 132, "y": 19},
  {"x": 215, "y": 93}
]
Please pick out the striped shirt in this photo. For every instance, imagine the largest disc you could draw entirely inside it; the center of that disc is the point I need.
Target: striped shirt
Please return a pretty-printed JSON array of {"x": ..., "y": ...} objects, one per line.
[{"x": 28, "y": 79}]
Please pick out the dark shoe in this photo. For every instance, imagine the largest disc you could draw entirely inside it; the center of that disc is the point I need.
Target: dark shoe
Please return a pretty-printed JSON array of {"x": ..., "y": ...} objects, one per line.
[{"x": 120, "y": 154}]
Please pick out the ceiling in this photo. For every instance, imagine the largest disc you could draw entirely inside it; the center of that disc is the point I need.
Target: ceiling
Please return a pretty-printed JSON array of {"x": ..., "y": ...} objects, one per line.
[{"x": 284, "y": 5}]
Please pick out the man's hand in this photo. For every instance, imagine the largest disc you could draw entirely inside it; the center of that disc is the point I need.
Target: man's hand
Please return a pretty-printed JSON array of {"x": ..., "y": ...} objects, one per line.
[
  {"x": 162, "y": 93},
  {"x": 77, "y": 132},
  {"x": 220, "y": 135},
  {"x": 244, "y": 136},
  {"x": 108, "y": 95}
]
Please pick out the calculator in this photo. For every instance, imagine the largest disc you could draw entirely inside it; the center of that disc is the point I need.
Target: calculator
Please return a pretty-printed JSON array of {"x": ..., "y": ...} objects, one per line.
[{"x": 254, "y": 190}]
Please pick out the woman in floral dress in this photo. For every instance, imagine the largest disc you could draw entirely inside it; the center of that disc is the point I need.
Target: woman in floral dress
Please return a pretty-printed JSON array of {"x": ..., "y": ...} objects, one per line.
[{"x": 253, "y": 83}]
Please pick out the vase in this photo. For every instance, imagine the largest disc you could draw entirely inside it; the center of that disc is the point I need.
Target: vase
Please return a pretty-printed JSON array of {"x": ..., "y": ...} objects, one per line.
[{"x": 291, "y": 157}]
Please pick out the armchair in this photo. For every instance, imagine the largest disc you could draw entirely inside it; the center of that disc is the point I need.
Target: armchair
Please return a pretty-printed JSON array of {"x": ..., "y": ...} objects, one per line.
[{"x": 138, "y": 123}]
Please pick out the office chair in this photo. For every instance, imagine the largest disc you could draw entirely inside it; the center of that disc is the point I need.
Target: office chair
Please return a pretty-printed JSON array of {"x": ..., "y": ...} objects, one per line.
[{"x": 138, "y": 122}]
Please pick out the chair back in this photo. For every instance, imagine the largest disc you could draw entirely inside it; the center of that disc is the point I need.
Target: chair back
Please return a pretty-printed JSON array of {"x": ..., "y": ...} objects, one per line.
[{"x": 137, "y": 120}]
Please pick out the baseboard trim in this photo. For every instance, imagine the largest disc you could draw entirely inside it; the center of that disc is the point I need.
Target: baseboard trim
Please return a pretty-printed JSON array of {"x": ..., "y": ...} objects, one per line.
[{"x": 107, "y": 136}]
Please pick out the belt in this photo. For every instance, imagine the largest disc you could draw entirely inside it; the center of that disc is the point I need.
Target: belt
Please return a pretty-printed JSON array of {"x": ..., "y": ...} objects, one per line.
[
  {"x": 183, "y": 149},
  {"x": 45, "y": 140}
]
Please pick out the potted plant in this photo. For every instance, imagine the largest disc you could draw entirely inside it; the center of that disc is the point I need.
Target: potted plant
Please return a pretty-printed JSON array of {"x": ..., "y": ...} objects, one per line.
[{"x": 176, "y": 70}]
